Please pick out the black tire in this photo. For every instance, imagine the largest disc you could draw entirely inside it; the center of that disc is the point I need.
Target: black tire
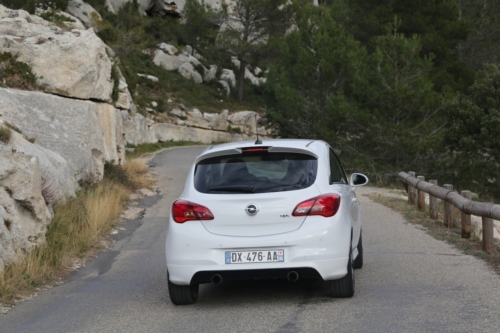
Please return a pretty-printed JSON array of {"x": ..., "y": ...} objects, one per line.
[
  {"x": 344, "y": 287},
  {"x": 183, "y": 295},
  {"x": 358, "y": 262}
]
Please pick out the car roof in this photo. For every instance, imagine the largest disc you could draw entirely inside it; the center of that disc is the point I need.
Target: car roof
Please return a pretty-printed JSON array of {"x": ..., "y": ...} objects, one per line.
[{"x": 311, "y": 146}]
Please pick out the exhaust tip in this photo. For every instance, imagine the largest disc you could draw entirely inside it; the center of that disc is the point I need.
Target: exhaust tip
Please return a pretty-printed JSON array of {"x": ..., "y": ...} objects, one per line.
[
  {"x": 216, "y": 279},
  {"x": 292, "y": 276}
]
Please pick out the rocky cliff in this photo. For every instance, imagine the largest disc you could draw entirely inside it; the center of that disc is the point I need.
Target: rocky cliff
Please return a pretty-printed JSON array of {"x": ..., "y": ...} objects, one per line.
[{"x": 67, "y": 129}]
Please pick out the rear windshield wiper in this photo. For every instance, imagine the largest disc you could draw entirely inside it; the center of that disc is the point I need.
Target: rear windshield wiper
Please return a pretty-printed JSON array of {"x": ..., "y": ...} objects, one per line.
[{"x": 242, "y": 189}]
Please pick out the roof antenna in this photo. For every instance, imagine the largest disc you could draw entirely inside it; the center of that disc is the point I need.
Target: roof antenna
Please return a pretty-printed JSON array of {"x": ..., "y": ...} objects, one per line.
[{"x": 257, "y": 142}]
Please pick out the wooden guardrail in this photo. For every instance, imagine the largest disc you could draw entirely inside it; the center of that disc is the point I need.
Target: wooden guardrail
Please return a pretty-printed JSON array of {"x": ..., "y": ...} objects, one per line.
[{"x": 417, "y": 186}]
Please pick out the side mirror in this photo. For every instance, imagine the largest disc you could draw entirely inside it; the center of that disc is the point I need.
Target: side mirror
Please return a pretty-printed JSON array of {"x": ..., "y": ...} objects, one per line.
[{"x": 358, "y": 179}]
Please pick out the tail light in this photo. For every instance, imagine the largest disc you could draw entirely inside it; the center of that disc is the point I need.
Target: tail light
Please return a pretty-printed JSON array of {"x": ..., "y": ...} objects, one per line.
[
  {"x": 183, "y": 211},
  {"x": 325, "y": 205}
]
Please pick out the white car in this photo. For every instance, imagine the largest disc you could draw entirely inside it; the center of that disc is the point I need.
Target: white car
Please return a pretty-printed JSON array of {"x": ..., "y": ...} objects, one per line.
[{"x": 265, "y": 210}]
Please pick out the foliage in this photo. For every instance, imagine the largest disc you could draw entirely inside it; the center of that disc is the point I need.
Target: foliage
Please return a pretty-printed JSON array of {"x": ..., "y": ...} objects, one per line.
[
  {"x": 400, "y": 125},
  {"x": 115, "y": 173},
  {"x": 437, "y": 23},
  {"x": 58, "y": 19},
  {"x": 247, "y": 29},
  {"x": 16, "y": 74},
  {"x": 115, "y": 76},
  {"x": 474, "y": 130},
  {"x": 5, "y": 134},
  {"x": 30, "y": 5},
  {"x": 307, "y": 92},
  {"x": 12, "y": 127},
  {"x": 378, "y": 107},
  {"x": 483, "y": 43}
]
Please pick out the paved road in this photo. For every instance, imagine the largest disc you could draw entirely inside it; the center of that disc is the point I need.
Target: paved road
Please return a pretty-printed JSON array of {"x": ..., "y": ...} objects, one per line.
[{"x": 410, "y": 283}]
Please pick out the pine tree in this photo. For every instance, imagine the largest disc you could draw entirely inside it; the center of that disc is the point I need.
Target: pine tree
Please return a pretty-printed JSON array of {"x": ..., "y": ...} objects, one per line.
[
  {"x": 474, "y": 132},
  {"x": 435, "y": 21}
]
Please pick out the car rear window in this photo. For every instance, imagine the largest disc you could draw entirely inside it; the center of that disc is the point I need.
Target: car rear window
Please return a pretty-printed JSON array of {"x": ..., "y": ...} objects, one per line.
[{"x": 261, "y": 172}]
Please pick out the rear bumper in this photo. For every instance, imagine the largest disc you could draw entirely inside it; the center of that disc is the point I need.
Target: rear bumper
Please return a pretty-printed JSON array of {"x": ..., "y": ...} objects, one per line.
[{"x": 319, "y": 248}]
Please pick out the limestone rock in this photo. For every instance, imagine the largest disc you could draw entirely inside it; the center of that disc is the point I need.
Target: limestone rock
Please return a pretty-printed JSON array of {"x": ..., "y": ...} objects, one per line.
[
  {"x": 84, "y": 12},
  {"x": 245, "y": 120},
  {"x": 228, "y": 76},
  {"x": 24, "y": 217},
  {"x": 167, "y": 61},
  {"x": 167, "y": 132},
  {"x": 217, "y": 121},
  {"x": 178, "y": 113},
  {"x": 57, "y": 178},
  {"x": 187, "y": 70},
  {"x": 85, "y": 133},
  {"x": 135, "y": 128},
  {"x": 257, "y": 71},
  {"x": 195, "y": 113},
  {"x": 124, "y": 97},
  {"x": 149, "y": 77},
  {"x": 115, "y": 5},
  {"x": 169, "y": 49},
  {"x": 68, "y": 63},
  {"x": 225, "y": 86},
  {"x": 185, "y": 57},
  {"x": 209, "y": 74}
]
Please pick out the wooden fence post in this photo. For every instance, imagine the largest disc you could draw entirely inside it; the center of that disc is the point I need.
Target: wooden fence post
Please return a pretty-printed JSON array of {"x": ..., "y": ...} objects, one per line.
[
  {"x": 433, "y": 203},
  {"x": 466, "y": 218},
  {"x": 411, "y": 191},
  {"x": 488, "y": 245},
  {"x": 448, "y": 209},
  {"x": 421, "y": 196}
]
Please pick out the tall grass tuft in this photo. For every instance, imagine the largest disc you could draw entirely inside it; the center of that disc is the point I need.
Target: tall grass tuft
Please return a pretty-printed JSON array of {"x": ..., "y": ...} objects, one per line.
[
  {"x": 77, "y": 229},
  {"x": 5, "y": 134}
]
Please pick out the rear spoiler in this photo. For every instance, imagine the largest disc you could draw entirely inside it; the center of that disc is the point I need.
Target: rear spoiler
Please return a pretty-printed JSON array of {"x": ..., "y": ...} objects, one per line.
[{"x": 240, "y": 151}]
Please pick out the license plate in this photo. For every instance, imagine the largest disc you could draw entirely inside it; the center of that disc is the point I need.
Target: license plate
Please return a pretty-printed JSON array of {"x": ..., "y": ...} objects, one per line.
[{"x": 247, "y": 257}]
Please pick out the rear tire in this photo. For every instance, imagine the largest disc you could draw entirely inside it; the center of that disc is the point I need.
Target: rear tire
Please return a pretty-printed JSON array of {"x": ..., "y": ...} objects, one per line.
[
  {"x": 183, "y": 295},
  {"x": 358, "y": 262},
  {"x": 344, "y": 287}
]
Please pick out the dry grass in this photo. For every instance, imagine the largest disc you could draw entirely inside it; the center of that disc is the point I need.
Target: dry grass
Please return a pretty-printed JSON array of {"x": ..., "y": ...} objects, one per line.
[
  {"x": 5, "y": 134},
  {"x": 137, "y": 171},
  {"x": 77, "y": 231}
]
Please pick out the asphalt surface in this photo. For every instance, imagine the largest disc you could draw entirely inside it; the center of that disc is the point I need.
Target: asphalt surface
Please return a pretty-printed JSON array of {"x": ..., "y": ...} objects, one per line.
[{"x": 410, "y": 282}]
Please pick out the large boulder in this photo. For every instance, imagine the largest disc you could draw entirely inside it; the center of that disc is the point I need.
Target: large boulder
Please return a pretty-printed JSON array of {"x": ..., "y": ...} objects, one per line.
[
  {"x": 228, "y": 76},
  {"x": 24, "y": 216},
  {"x": 84, "y": 133},
  {"x": 68, "y": 63},
  {"x": 245, "y": 120},
  {"x": 115, "y": 5},
  {"x": 57, "y": 176},
  {"x": 217, "y": 121},
  {"x": 167, "y": 61},
  {"x": 171, "y": 59},
  {"x": 189, "y": 72},
  {"x": 84, "y": 12}
]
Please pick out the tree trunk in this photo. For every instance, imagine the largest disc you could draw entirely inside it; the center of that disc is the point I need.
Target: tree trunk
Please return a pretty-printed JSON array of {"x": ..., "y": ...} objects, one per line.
[{"x": 241, "y": 80}]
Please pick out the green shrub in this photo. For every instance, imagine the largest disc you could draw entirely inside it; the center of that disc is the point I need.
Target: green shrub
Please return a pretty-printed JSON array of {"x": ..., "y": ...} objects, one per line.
[
  {"x": 115, "y": 76},
  {"x": 16, "y": 74},
  {"x": 13, "y": 127},
  {"x": 233, "y": 130},
  {"x": 55, "y": 17},
  {"x": 30, "y": 5},
  {"x": 5, "y": 134},
  {"x": 115, "y": 173}
]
